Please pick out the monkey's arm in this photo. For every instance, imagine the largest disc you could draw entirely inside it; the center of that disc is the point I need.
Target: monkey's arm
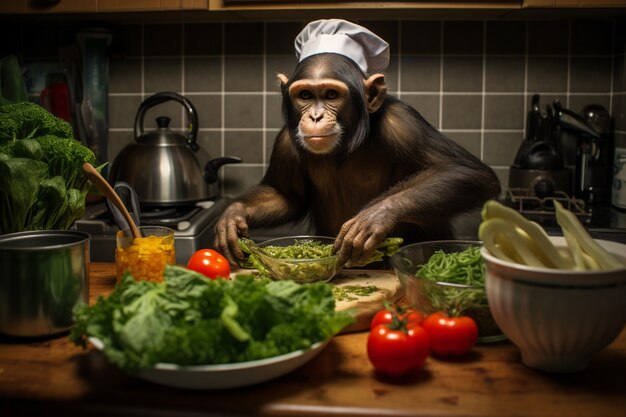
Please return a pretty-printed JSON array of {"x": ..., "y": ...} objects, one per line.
[
  {"x": 446, "y": 180},
  {"x": 277, "y": 199}
]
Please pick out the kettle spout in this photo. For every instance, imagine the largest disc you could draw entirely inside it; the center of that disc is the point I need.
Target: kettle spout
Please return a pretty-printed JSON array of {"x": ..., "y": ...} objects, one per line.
[{"x": 211, "y": 168}]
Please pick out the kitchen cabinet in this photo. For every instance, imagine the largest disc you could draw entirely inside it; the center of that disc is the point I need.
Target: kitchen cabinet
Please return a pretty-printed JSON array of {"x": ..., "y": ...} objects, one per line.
[
  {"x": 362, "y": 5},
  {"x": 573, "y": 3},
  {"x": 94, "y": 6},
  {"x": 290, "y": 7}
]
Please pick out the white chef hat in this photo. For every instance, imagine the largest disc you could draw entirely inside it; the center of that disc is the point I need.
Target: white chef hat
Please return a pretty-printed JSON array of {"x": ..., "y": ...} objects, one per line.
[{"x": 366, "y": 49}]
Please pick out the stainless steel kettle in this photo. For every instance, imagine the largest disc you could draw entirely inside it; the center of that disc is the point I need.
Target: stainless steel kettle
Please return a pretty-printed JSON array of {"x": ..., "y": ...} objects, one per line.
[{"x": 166, "y": 168}]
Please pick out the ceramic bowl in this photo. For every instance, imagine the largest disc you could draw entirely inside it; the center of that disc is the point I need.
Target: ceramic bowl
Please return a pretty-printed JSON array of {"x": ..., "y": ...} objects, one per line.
[
  {"x": 430, "y": 296},
  {"x": 557, "y": 318},
  {"x": 301, "y": 270}
]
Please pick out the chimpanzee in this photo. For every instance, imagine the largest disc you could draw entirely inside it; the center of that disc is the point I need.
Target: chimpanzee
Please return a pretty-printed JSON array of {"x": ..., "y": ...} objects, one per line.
[{"x": 360, "y": 164}]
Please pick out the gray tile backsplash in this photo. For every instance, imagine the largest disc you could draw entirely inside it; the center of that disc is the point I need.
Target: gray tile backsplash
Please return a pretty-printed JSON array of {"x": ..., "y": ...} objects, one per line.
[{"x": 473, "y": 79}]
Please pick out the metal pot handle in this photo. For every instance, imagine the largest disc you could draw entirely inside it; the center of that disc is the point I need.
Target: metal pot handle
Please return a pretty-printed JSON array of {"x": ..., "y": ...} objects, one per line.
[{"x": 158, "y": 98}]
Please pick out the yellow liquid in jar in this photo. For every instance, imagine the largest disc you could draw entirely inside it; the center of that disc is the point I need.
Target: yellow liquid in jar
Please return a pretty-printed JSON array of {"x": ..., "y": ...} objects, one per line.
[{"x": 145, "y": 258}]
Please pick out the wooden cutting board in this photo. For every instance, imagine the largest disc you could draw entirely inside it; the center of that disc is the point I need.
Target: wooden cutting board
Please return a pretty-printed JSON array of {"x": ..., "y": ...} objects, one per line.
[{"x": 383, "y": 284}]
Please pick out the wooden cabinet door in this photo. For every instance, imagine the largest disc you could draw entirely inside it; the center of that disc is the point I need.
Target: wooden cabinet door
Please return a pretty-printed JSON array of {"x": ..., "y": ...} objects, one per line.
[
  {"x": 573, "y": 3},
  {"x": 150, "y": 5},
  {"x": 42, "y": 6},
  {"x": 92, "y": 6}
]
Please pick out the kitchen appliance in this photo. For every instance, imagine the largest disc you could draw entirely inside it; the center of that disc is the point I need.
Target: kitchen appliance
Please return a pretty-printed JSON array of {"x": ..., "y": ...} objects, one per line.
[
  {"x": 166, "y": 168},
  {"x": 557, "y": 137},
  {"x": 594, "y": 178},
  {"x": 538, "y": 164}
]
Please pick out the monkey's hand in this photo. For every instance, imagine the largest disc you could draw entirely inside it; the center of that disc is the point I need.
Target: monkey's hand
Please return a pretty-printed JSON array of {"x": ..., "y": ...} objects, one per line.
[
  {"x": 360, "y": 236},
  {"x": 230, "y": 226}
]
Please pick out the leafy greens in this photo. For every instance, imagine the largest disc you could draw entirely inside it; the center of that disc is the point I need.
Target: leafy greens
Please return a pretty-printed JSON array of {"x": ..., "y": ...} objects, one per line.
[
  {"x": 190, "y": 320},
  {"x": 42, "y": 185}
]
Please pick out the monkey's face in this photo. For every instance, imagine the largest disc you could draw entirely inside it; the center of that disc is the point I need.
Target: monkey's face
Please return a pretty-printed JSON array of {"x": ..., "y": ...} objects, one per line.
[{"x": 319, "y": 102}]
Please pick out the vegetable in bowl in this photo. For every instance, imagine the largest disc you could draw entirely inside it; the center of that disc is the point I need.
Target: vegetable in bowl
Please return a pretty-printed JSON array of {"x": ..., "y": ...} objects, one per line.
[
  {"x": 304, "y": 259},
  {"x": 447, "y": 276}
]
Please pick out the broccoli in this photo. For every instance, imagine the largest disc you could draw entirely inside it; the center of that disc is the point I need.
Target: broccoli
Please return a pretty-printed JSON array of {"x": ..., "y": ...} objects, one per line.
[
  {"x": 65, "y": 157},
  {"x": 27, "y": 120},
  {"x": 42, "y": 185}
]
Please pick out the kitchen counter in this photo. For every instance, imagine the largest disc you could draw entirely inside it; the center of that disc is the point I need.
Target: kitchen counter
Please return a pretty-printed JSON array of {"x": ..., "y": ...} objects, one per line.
[{"x": 53, "y": 377}]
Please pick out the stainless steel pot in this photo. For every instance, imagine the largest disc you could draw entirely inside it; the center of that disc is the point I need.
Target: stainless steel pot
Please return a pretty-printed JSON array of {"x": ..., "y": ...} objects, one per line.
[
  {"x": 44, "y": 275},
  {"x": 166, "y": 168}
]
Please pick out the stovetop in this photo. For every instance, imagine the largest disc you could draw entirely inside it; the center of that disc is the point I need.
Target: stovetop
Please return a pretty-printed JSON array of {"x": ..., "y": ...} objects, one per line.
[{"x": 193, "y": 227}]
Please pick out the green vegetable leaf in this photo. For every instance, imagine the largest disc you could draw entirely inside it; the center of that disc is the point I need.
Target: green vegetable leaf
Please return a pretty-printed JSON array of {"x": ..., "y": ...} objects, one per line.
[
  {"x": 19, "y": 186},
  {"x": 190, "y": 320}
]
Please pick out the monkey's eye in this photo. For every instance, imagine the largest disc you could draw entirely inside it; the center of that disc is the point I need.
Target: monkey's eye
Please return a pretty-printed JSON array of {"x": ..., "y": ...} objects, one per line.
[
  {"x": 305, "y": 95},
  {"x": 331, "y": 94}
]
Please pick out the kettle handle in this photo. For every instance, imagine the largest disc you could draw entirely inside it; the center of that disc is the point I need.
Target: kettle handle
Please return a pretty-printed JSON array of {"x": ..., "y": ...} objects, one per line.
[
  {"x": 211, "y": 167},
  {"x": 162, "y": 97}
]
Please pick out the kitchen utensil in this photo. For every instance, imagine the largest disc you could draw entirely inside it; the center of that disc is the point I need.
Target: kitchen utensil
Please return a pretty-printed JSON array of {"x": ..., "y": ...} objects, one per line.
[
  {"x": 129, "y": 199},
  {"x": 106, "y": 189},
  {"x": 164, "y": 167},
  {"x": 44, "y": 276}
]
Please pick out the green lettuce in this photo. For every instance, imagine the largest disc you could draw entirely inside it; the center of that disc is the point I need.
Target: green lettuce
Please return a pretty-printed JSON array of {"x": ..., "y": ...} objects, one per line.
[{"x": 190, "y": 320}]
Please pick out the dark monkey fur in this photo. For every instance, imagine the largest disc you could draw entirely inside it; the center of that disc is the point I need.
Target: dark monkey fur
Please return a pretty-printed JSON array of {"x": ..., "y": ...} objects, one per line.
[{"x": 377, "y": 167}]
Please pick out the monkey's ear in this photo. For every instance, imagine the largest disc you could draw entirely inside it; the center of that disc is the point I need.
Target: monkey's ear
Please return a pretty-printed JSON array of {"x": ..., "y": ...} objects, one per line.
[
  {"x": 375, "y": 91},
  {"x": 283, "y": 79}
]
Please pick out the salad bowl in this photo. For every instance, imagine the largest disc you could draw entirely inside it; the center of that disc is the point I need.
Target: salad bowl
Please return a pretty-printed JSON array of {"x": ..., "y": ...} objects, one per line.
[{"x": 442, "y": 289}]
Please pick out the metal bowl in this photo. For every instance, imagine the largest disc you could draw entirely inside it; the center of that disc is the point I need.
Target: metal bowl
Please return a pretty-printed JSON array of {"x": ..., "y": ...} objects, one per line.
[{"x": 44, "y": 275}]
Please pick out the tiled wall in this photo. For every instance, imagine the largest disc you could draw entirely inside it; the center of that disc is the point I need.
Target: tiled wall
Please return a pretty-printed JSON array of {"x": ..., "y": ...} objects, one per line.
[{"x": 472, "y": 79}]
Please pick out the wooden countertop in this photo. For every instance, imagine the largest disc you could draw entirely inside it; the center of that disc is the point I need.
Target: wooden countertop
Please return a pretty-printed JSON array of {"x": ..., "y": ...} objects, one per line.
[{"x": 53, "y": 377}]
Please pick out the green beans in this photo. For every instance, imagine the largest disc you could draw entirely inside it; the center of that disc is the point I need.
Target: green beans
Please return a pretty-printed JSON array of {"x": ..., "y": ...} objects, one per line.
[{"x": 465, "y": 267}]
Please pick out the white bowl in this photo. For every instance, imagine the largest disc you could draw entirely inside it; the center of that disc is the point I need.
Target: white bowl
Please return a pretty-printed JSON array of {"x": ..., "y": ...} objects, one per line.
[{"x": 557, "y": 318}]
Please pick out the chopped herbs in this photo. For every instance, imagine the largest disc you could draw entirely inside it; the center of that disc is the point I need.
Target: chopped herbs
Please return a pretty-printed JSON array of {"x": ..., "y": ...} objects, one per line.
[{"x": 353, "y": 292}]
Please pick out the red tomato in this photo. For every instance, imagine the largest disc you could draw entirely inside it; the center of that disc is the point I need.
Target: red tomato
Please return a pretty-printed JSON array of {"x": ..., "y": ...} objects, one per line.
[
  {"x": 450, "y": 336},
  {"x": 411, "y": 316},
  {"x": 209, "y": 263},
  {"x": 397, "y": 352}
]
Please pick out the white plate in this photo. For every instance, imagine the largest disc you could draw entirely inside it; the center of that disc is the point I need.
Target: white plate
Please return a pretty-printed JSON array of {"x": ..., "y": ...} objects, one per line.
[{"x": 227, "y": 375}]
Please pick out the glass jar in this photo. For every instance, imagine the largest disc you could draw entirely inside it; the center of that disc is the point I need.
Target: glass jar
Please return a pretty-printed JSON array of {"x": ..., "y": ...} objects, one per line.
[{"x": 145, "y": 257}]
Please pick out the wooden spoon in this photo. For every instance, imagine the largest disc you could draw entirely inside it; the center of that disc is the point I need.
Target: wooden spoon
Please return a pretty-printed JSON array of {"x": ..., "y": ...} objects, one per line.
[{"x": 108, "y": 191}]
